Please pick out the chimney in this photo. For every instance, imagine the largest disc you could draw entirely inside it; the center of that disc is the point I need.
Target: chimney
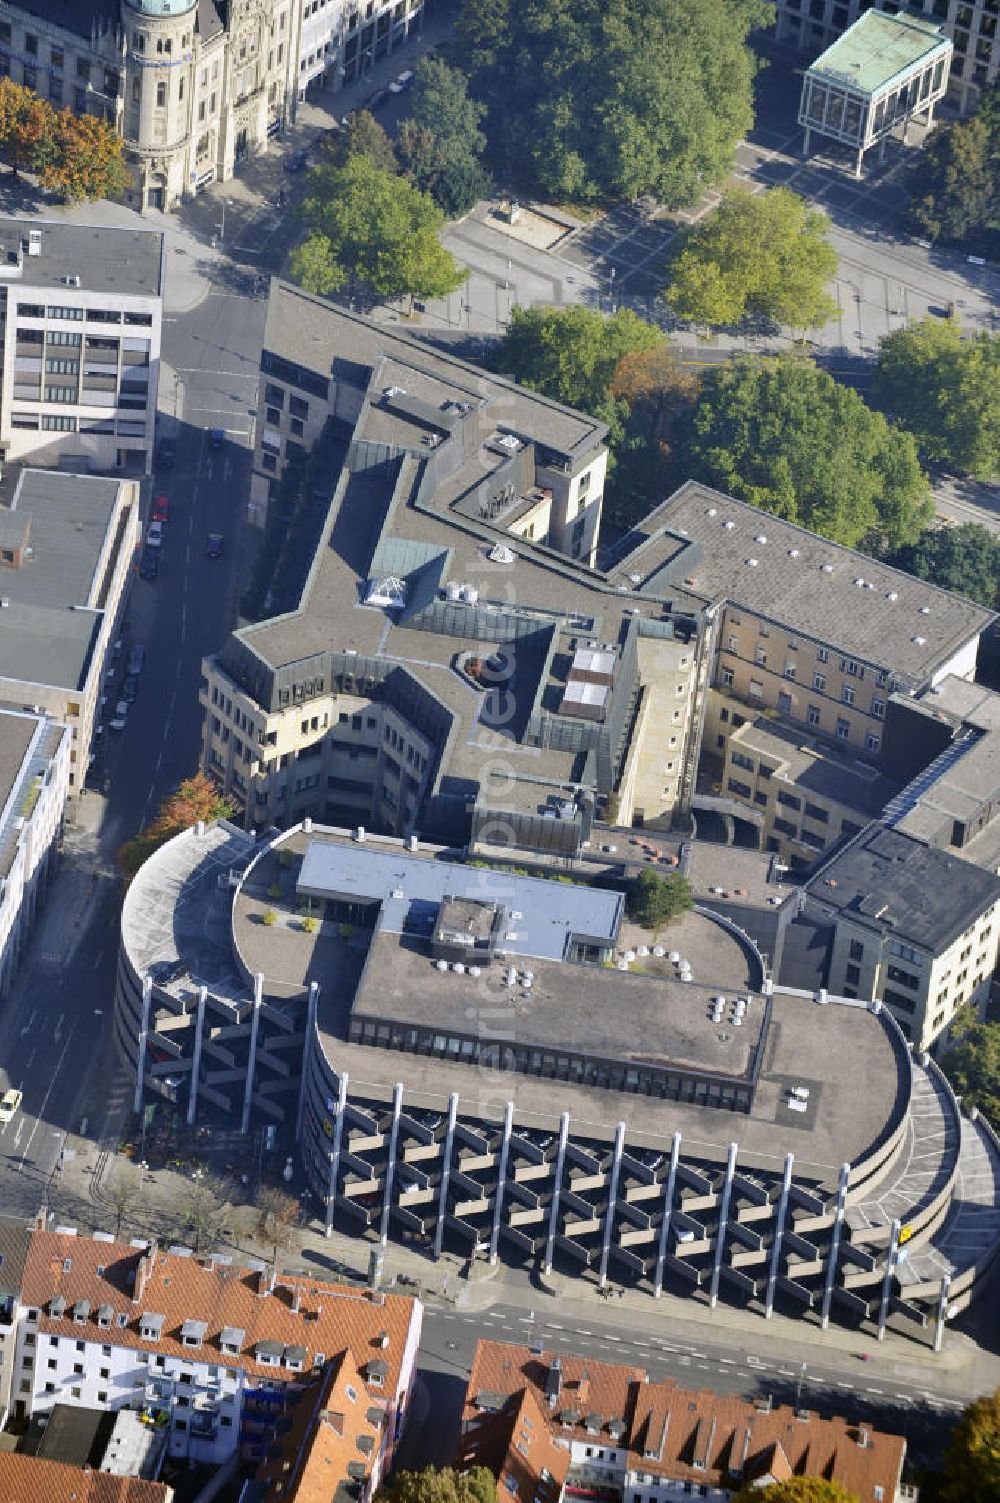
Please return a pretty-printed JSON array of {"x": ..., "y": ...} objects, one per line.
[
  {"x": 583, "y": 1387},
  {"x": 296, "y": 1298},
  {"x": 265, "y": 1282},
  {"x": 553, "y": 1383},
  {"x": 144, "y": 1268}
]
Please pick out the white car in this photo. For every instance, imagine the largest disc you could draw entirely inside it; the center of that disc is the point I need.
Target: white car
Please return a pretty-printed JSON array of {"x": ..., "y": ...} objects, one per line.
[
  {"x": 154, "y": 535},
  {"x": 9, "y": 1104},
  {"x": 121, "y": 715}
]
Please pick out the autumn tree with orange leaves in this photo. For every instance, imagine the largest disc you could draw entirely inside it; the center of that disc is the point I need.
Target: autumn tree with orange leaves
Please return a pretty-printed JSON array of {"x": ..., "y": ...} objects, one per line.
[
  {"x": 75, "y": 156},
  {"x": 197, "y": 798}
]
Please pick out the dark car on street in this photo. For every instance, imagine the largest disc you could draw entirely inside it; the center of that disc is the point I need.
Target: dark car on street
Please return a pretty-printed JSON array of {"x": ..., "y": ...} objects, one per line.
[
  {"x": 149, "y": 566},
  {"x": 297, "y": 160},
  {"x": 214, "y": 546},
  {"x": 166, "y": 453}
]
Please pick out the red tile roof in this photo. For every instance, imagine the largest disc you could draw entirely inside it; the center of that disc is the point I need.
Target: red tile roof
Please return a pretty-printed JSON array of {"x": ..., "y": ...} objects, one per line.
[
  {"x": 699, "y": 1436},
  {"x": 330, "y": 1444},
  {"x": 28, "y": 1479},
  {"x": 320, "y": 1317}
]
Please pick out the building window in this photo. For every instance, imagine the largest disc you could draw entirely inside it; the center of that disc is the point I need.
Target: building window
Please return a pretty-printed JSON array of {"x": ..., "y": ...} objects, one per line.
[
  {"x": 727, "y": 678},
  {"x": 819, "y": 681},
  {"x": 843, "y": 729},
  {"x": 161, "y": 94},
  {"x": 857, "y": 950},
  {"x": 812, "y": 715},
  {"x": 847, "y": 694},
  {"x": 878, "y": 708},
  {"x": 872, "y": 744}
]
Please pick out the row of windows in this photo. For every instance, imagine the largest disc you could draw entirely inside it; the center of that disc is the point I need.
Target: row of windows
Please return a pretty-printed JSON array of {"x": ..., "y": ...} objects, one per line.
[{"x": 77, "y": 315}]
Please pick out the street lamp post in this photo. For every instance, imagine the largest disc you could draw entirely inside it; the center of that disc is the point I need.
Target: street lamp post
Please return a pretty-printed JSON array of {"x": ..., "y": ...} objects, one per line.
[
  {"x": 61, "y": 1136},
  {"x": 227, "y": 203}
]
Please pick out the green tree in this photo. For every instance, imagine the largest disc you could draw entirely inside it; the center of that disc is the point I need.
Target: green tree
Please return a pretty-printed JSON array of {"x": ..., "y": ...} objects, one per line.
[
  {"x": 572, "y": 354},
  {"x": 586, "y": 100},
  {"x": 88, "y": 160},
  {"x": 446, "y": 1485},
  {"x": 362, "y": 136},
  {"x": 971, "y": 1472},
  {"x": 960, "y": 173},
  {"x": 196, "y": 798},
  {"x": 972, "y": 1064},
  {"x": 797, "y": 1490},
  {"x": 785, "y": 436},
  {"x": 759, "y": 253},
  {"x": 653, "y": 900},
  {"x": 375, "y": 231},
  {"x": 964, "y": 559},
  {"x": 946, "y": 391},
  {"x": 441, "y": 145}
]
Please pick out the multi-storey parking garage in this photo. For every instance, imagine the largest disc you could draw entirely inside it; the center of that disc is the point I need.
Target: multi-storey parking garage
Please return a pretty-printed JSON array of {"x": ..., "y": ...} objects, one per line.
[{"x": 499, "y": 1063}]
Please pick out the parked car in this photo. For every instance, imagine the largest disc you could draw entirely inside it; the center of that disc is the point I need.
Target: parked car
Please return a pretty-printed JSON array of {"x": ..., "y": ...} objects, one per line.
[
  {"x": 297, "y": 160},
  {"x": 149, "y": 566},
  {"x": 216, "y": 438},
  {"x": 9, "y": 1104},
  {"x": 401, "y": 82},
  {"x": 161, "y": 509},
  {"x": 130, "y": 688},
  {"x": 214, "y": 547},
  {"x": 166, "y": 453},
  {"x": 154, "y": 535}
]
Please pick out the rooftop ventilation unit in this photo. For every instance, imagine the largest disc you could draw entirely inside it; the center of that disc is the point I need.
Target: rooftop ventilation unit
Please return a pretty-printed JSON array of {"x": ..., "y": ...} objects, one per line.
[
  {"x": 892, "y": 595},
  {"x": 729, "y": 526},
  {"x": 760, "y": 538},
  {"x": 826, "y": 568},
  {"x": 793, "y": 553},
  {"x": 501, "y": 554},
  {"x": 751, "y": 563},
  {"x": 508, "y": 441},
  {"x": 925, "y": 610},
  {"x": 394, "y": 391}
]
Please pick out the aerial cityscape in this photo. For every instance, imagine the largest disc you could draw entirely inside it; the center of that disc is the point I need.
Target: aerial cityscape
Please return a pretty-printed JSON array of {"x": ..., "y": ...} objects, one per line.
[{"x": 499, "y": 751}]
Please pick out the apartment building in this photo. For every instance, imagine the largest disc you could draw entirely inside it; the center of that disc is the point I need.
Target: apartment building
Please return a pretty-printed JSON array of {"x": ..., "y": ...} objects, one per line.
[
  {"x": 214, "y": 1352},
  {"x": 971, "y": 24},
  {"x": 67, "y": 544},
  {"x": 14, "y": 1240},
  {"x": 552, "y": 1425},
  {"x": 80, "y": 321},
  {"x": 192, "y": 85},
  {"x": 34, "y": 784},
  {"x": 911, "y": 925},
  {"x": 25, "y": 1477},
  {"x": 342, "y": 39}
]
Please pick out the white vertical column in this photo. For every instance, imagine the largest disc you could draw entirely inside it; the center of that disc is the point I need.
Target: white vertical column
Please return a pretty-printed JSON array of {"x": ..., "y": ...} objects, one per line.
[
  {"x": 609, "y": 1220},
  {"x": 140, "y": 1068},
  {"x": 720, "y": 1237},
  {"x": 890, "y": 1269},
  {"x": 449, "y": 1143},
  {"x": 258, "y": 995},
  {"x": 390, "y": 1167},
  {"x": 942, "y": 1312},
  {"x": 779, "y": 1236},
  {"x": 199, "y": 1029},
  {"x": 668, "y": 1210},
  {"x": 556, "y": 1191},
  {"x": 338, "y": 1134},
  {"x": 310, "y": 1030},
  {"x": 508, "y": 1123},
  {"x": 831, "y": 1265}
]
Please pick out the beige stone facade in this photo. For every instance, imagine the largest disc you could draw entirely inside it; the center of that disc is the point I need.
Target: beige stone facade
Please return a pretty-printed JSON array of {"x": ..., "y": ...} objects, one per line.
[{"x": 191, "y": 85}]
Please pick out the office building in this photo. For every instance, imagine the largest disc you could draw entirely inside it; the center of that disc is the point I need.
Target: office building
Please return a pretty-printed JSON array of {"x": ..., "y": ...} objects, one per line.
[
  {"x": 80, "y": 321},
  {"x": 341, "y": 40},
  {"x": 453, "y": 664},
  {"x": 212, "y": 1352},
  {"x": 551, "y": 1425},
  {"x": 493, "y": 1063},
  {"x": 971, "y": 25},
  {"x": 66, "y": 547},
  {"x": 191, "y": 85},
  {"x": 34, "y": 784},
  {"x": 913, "y": 925}
]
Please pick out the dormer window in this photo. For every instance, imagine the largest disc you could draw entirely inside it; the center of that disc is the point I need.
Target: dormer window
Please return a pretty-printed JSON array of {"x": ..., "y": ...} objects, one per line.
[
  {"x": 193, "y": 1332},
  {"x": 81, "y": 1310},
  {"x": 151, "y": 1326}
]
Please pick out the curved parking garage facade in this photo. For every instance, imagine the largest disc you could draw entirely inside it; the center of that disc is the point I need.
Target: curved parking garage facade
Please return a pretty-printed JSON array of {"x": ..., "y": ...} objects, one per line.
[{"x": 499, "y": 1064}]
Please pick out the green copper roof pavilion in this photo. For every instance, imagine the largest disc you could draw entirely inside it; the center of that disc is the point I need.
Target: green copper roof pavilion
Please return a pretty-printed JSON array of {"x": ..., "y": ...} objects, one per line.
[{"x": 881, "y": 73}]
